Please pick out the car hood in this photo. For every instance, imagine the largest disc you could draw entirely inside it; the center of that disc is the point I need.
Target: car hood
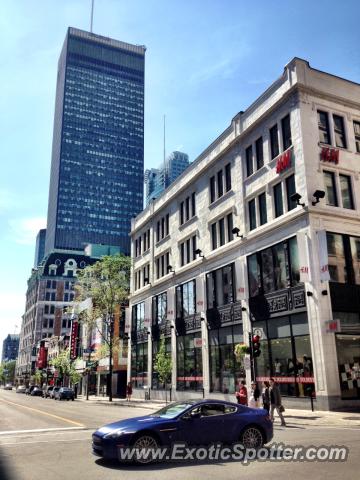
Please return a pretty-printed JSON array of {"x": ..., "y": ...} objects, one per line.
[{"x": 131, "y": 425}]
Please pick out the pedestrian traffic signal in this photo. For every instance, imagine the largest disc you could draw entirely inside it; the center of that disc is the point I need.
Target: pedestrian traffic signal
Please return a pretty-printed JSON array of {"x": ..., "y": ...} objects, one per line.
[{"x": 256, "y": 346}]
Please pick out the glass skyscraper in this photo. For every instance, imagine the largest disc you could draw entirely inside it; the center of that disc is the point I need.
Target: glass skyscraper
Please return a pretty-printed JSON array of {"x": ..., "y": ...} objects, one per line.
[
  {"x": 96, "y": 183},
  {"x": 158, "y": 179}
]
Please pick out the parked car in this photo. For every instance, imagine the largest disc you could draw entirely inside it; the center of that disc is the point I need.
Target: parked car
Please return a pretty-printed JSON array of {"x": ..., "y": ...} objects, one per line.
[
  {"x": 192, "y": 422},
  {"x": 8, "y": 386},
  {"x": 64, "y": 393},
  {"x": 36, "y": 392},
  {"x": 47, "y": 391},
  {"x": 53, "y": 391},
  {"x": 30, "y": 388},
  {"x": 21, "y": 389}
]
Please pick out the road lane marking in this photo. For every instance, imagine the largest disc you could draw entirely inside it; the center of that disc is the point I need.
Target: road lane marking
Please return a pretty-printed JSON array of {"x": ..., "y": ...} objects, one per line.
[
  {"x": 15, "y": 444},
  {"x": 41, "y": 430},
  {"x": 44, "y": 413}
]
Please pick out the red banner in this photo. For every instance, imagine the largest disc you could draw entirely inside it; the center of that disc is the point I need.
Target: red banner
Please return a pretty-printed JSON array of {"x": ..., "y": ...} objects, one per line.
[
  {"x": 283, "y": 162},
  {"x": 42, "y": 358},
  {"x": 329, "y": 155},
  {"x": 74, "y": 336}
]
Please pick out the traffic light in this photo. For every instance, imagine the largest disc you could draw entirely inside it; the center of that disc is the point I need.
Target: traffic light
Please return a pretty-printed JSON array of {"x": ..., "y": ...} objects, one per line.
[{"x": 256, "y": 346}]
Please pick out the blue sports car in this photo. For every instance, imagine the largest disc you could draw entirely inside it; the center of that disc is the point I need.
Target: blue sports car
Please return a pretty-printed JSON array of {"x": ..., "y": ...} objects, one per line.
[{"x": 192, "y": 422}]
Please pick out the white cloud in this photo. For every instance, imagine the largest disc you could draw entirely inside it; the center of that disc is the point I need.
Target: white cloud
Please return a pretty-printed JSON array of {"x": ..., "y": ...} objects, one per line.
[{"x": 24, "y": 230}]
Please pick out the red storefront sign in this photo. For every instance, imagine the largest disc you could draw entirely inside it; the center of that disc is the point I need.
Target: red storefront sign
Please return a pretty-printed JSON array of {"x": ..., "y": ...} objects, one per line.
[
  {"x": 42, "y": 358},
  {"x": 283, "y": 162},
  {"x": 74, "y": 336},
  {"x": 329, "y": 155}
]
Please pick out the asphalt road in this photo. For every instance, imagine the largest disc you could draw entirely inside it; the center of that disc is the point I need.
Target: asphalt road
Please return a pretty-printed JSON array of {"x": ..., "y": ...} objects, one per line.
[{"x": 46, "y": 439}]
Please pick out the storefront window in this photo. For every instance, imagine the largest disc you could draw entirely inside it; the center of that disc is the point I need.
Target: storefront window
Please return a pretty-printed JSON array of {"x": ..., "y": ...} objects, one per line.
[
  {"x": 138, "y": 316},
  {"x": 185, "y": 299},
  {"x": 279, "y": 266},
  {"x": 355, "y": 254},
  {"x": 294, "y": 262},
  {"x": 155, "y": 349},
  {"x": 348, "y": 354},
  {"x": 286, "y": 354},
  {"x": 159, "y": 306},
  {"x": 225, "y": 370},
  {"x": 220, "y": 286},
  {"x": 337, "y": 264},
  {"x": 189, "y": 362},
  {"x": 254, "y": 275},
  {"x": 139, "y": 363}
]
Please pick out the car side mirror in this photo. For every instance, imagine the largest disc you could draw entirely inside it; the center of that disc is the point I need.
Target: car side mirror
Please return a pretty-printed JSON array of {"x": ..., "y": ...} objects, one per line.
[{"x": 195, "y": 415}]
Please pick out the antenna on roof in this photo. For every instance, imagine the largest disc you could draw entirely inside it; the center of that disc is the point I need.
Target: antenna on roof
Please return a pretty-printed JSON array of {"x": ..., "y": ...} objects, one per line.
[
  {"x": 92, "y": 16},
  {"x": 164, "y": 154}
]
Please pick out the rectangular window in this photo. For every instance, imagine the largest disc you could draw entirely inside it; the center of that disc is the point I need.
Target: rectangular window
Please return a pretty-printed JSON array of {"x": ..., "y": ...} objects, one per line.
[
  {"x": 220, "y": 287},
  {"x": 357, "y": 135},
  {"x": 230, "y": 226},
  {"x": 330, "y": 189},
  {"x": 220, "y": 183},
  {"x": 187, "y": 250},
  {"x": 339, "y": 129},
  {"x": 182, "y": 213},
  {"x": 324, "y": 130},
  {"x": 212, "y": 189},
  {"x": 252, "y": 214},
  {"x": 214, "y": 236},
  {"x": 186, "y": 299},
  {"x": 158, "y": 231},
  {"x": 290, "y": 190},
  {"x": 262, "y": 208},
  {"x": 249, "y": 161},
  {"x": 167, "y": 229},
  {"x": 228, "y": 177},
  {"x": 193, "y": 205},
  {"x": 259, "y": 153},
  {"x": 187, "y": 209},
  {"x": 221, "y": 232},
  {"x": 286, "y": 132},
  {"x": 274, "y": 141},
  {"x": 278, "y": 200},
  {"x": 346, "y": 192}
]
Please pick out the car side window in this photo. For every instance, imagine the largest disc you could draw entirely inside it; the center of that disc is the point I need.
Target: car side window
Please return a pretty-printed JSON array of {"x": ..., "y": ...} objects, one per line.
[{"x": 212, "y": 410}]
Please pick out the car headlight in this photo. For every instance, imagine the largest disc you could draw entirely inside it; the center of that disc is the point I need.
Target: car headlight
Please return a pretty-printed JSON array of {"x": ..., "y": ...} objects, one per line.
[{"x": 114, "y": 434}]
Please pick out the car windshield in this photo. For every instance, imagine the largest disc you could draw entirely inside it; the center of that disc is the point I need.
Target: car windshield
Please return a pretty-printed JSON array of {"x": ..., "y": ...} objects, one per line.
[
  {"x": 173, "y": 410},
  {"x": 66, "y": 389}
]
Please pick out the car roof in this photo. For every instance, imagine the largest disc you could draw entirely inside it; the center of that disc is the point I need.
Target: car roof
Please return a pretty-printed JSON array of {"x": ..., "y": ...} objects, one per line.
[{"x": 211, "y": 400}]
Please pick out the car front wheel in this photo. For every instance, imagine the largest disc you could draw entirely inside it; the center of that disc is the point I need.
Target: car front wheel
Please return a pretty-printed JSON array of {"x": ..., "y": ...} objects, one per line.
[
  {"x": 252, "y": 437},
  {"x": 143, "y": 443}
]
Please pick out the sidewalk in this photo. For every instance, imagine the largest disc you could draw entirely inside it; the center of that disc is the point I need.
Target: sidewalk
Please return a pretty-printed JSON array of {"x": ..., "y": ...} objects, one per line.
[{"x": 293, "y": 417}]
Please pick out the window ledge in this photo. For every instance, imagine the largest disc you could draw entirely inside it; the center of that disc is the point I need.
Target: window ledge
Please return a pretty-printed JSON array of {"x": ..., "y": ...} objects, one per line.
[
  {"x": 163, "y": 240},
  {"x": 255, "y": 174},
  {"x": 219, "y": 200},
  {"x": 188, "y": 222}
]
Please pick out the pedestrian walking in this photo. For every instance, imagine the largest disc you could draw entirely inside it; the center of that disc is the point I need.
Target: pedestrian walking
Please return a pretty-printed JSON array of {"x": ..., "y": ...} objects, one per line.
[
  {"x": 241, "y": 395},
  {"x": 275, "y": 400},
  {"x": 129, "y": 391},
  {"x": 254, "y": 398},
  {"x": 266, "y": 396}
]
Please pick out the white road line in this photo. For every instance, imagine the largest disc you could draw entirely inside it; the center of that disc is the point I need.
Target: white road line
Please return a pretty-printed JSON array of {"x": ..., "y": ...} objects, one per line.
[
  {"x": 44, "y": 441},
  {"x": 40, "y": 430}
]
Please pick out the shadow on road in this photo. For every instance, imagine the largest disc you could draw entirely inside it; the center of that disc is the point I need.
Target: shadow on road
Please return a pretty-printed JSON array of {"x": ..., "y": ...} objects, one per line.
[{"x": 4, "y": 469}]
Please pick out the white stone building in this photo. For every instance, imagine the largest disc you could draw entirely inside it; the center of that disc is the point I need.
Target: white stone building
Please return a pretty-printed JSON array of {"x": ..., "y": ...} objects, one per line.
[{"x": 260, "y": 234}]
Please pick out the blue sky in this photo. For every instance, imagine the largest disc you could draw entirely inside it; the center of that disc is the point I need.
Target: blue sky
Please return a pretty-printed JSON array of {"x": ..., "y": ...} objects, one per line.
[{"x": 206, "y": 60}]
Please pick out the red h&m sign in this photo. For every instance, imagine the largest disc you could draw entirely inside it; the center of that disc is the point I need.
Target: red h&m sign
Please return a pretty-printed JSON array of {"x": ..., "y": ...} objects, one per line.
[
  {"x": 74, "y": 336},
  {"x": 329, "y": 155},
  {"x": 42, "y": 358},
  {"x": 283, "y": 162}
]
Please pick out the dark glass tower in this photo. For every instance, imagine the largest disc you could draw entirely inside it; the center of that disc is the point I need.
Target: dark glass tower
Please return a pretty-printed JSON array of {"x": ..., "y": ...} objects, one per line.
[{"x": 96, "y": 182}]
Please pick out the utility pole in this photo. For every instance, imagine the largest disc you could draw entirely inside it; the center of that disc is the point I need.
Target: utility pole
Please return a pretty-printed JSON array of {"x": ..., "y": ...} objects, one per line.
[{"x": 111, "y": 334}]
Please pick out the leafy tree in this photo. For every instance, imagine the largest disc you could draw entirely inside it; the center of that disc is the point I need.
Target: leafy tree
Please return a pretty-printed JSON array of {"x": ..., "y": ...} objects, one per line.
[
  {"x": 7, "y": 371},
  {"x": 65, "y": 367},
  {"x": 163, "y": 363},
  {"x": 37, "y": 378},
  {"x": 106, "y": 283}
]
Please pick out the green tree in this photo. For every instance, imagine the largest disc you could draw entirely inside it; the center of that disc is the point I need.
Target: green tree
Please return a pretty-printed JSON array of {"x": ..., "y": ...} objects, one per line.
[
  {"x": 65, "y": 367},
  {"x": 107, "y": 284},
  {"x": 7, "y": 371},
  {"x": 37, "y": 378},
  {"x": 163, "y": 364}
]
